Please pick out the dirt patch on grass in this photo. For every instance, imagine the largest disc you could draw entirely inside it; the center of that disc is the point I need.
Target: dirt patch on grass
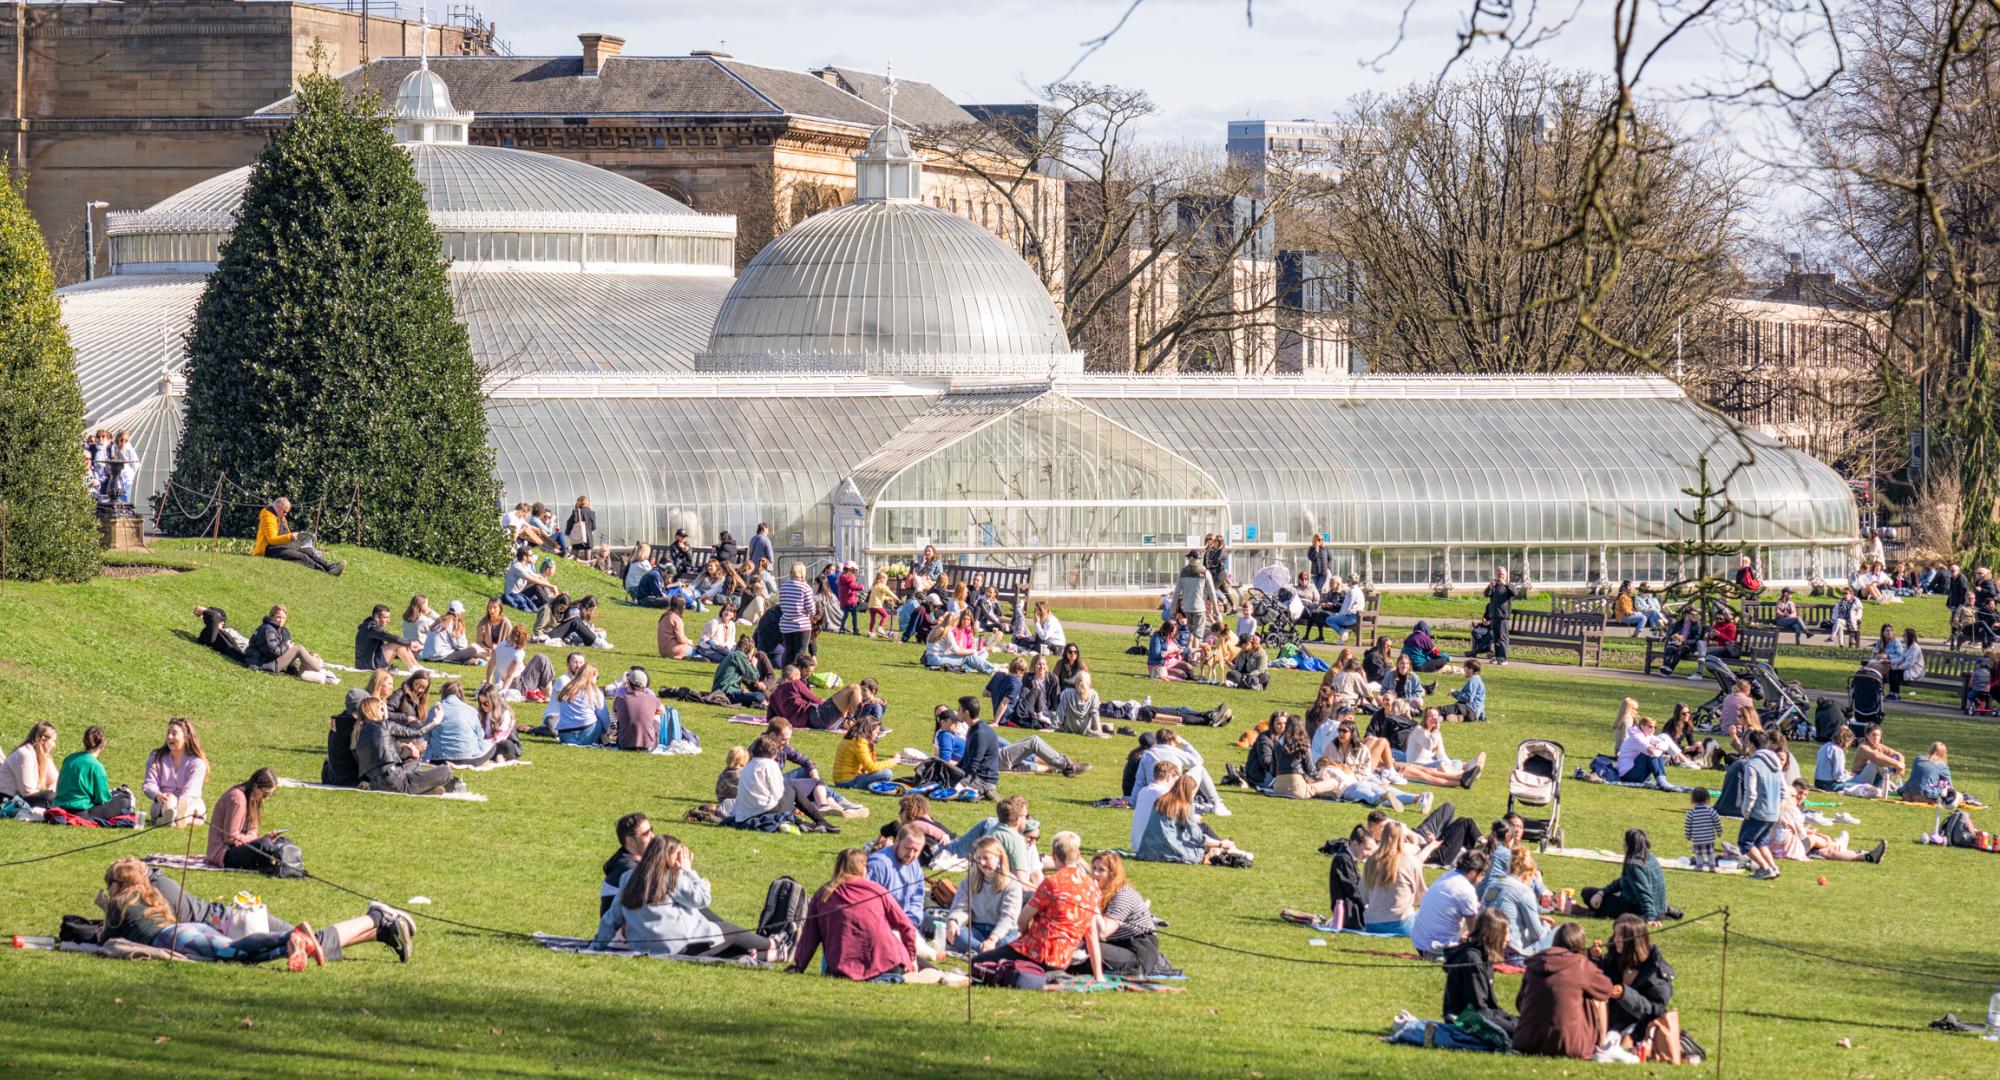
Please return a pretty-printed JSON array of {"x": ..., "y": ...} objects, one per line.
[{"x": 132, "y": 570}]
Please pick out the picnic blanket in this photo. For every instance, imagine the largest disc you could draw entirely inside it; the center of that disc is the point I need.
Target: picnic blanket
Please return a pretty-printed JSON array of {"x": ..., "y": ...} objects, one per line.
[
  {"x": 577, "y": 946},
  {"x": 56, "y": 815},
  {"x": 1605, "y": 855},
  {"x": 1671, "y": 788},
  {"x": 677, "y": 748},
  {"x": 1116, "y": 802},
  {"x": 492, "y": 765},
  {"x": 461, "y": 796},
  {"x": 749, "y": 718},
  {"x": 167, "y": 860},
  {"x": 1084, "y": 984}
]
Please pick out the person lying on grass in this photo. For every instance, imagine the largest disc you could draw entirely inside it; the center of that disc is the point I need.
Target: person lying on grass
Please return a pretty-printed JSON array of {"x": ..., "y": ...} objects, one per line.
[
  {"x": 1369, "y": 757},
  {"x": 135, "y": 911},
  {"x": 864, "y": 934},
  {"x": 662, "y": 909},
  {"x": 1798, "y": 840}
]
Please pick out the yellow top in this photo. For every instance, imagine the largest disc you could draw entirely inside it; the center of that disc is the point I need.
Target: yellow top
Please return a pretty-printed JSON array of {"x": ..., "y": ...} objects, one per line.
[
  {"x": 267, "y": 532},
  {"x": 852, "y": 758},
  {"x": 882, "y": 596}
]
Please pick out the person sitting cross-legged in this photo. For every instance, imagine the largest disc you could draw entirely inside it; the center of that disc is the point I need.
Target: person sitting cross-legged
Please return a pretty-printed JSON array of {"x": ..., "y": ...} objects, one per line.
[
  {"x": 863, "y": 931},
  {"x": 661, "y": 908}
]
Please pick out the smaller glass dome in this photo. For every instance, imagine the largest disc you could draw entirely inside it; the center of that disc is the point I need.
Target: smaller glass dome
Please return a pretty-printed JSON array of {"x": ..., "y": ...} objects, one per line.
[{"x": 423, "y": 110}]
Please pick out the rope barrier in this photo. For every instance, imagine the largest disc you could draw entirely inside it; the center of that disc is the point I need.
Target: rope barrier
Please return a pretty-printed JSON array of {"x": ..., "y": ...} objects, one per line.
[{"x": 126, "y": 835}]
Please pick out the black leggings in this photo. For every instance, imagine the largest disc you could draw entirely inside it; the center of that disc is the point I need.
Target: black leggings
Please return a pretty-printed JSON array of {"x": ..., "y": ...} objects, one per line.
[
  {"x": 792, "y": 801},
  {"x": 1135, "y": 955},
  {"x": 1895, "y": 680},
  {"x": 245, "y": 857},
  {"x": 489, "y": 755},
  {"x": 575, "y": 632},
  {"x": 796, "y": 644},
  {"x": 410, "y": 779},
  {"x": 736, "y": 941}
]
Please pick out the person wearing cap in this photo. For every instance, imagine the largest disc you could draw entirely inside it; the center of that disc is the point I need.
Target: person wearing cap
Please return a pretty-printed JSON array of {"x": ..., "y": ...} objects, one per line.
[
  {"x": 446, "y": 641},
  {"x": 680, "y": 556},
  {"x": 1194, "y": 594}
]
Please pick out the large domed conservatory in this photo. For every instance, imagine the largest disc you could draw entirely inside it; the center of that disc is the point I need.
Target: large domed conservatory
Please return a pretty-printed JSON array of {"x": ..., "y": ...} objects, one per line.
[{"x": 887, "y": 375}]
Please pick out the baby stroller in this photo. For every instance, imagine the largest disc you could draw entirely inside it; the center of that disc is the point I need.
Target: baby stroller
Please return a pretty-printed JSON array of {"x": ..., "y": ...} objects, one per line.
[
  {"x": 1537, "y": 781},
  {"x": 1786, "y": 707},
  {"x": 1273, "y": 613},
  {"x": 1718, "y": 669}
]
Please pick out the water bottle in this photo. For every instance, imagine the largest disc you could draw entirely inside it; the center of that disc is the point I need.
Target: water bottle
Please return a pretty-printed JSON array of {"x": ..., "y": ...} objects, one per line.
[{"x": 1993, "y": 1018}]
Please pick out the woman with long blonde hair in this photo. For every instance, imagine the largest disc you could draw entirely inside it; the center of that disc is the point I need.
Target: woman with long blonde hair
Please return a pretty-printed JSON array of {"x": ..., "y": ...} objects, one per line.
[
  {"x": 582, "y": 719},
  {"x": 1392, "y": 882},
  {"x": 986, "y": 910}
]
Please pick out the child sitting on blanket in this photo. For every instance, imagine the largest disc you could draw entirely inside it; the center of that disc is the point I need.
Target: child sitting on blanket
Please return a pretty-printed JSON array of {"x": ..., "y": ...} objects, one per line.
[{"x": 732, "y": 772}]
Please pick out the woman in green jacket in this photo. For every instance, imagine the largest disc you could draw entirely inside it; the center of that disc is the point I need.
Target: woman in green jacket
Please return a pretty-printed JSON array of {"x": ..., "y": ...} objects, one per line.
[
  {"x": 83, "y": 788},
  {"x": 1641, "y": 889}
]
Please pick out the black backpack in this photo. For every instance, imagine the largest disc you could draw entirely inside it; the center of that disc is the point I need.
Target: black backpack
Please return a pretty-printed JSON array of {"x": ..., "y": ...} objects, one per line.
[
  {"x": 784, "y": 909},
  {"x": 1826, "y": 720},
  {"x": 1730, "y": 802},
  {"x": 1343, "y": 886},
  {"x": 287, "y": 861},
  {"x": 940, "y": 772},
  {"x": 1395, "y": 729}
]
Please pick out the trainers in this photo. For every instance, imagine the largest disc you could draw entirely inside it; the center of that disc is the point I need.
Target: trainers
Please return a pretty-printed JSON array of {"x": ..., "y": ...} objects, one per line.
[
  {"x": 787, "y": 827},
  {"x": 1845, "y": 818},
  {"x": 1220, "y": 810},
  {"x": 455, "y": 787},
  {"x": 1696, "y": 677},
  {"x": 337, "y": 569},
  {"x": 1076, "y": 768},
  {"x": 394, "y": 929},
  {"x": 1424, "y": 803},
  {"x": 1471, "y": 774},
  {"x": 1814, "y": 817},
  {"x": 1615, "y": 1053},
  {"x": 1874, "y": 854},
  {"x": 1841, "y": 840}
]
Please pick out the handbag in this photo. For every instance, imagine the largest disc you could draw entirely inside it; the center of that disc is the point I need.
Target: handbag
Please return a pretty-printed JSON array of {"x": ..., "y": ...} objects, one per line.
[{"x": 246, "y": 915}]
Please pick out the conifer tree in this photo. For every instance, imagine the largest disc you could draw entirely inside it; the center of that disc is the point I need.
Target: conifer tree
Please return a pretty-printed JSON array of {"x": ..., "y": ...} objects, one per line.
[
  {"x": 1975, "y": 428},
  {"x": 51, "y": 526},
  {"x": 326, "y": 364},
  {"x": 1712, "y": 587}
]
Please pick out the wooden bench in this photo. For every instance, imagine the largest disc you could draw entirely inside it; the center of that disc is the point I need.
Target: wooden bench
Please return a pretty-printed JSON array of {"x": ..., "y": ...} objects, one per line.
[
  {"x": 1580, "y": 605},
  {"x": 1945, "y": 671},
  {"x": 1766, "y": 611},
  {"x": 1578, "y": 632},
  {"x": 1010, "y": 582},
  {"x": 1752, "y": 643}
]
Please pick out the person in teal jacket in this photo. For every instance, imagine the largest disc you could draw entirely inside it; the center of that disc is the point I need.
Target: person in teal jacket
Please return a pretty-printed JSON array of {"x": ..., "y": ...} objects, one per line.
[
  {"x": 1641, "y": 889},
  {"x": 82, "y": 786}
]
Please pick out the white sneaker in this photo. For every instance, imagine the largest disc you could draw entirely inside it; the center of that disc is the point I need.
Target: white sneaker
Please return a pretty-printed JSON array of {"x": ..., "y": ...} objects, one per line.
[
  {"x": 1841, "y": 841},
  {"x": 1696, "y": 677},
  {"x": 1402, "y": 1017},
  {"x": 1220, "y": 810},
  {"x": 1814, "y": 817},
  {"x": 1424, "y": 804},
  {"x": 1845, "y": 818},
  {"x": 1616, "y": 1053}
]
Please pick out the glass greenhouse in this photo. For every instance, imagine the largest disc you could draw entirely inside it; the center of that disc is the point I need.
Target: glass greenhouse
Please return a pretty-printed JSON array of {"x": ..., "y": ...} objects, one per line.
[{"x": 888, "y": 375}]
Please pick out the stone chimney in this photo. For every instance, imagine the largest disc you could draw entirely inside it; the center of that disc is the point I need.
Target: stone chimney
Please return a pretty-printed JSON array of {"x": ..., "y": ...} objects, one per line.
[{"x": 597, "y": 48}]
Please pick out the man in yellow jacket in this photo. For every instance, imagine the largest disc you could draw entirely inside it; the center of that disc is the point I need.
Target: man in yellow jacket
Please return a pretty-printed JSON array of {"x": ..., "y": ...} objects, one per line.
[{"x": 276, "y": 539}]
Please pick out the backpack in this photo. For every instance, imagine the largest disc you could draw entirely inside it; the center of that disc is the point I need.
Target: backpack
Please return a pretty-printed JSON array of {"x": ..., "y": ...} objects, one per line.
[
  {"x": 1343, "y": 886},
  {"x": 1394, "y": 729},
  {"x": 940, "y": 772},
  {"x": 1826, "y": 720},
  {"x": 784, "y": 909},
  {"x": 287, "y": 861},
  {"x": 1730, "y": 802},
  {"x": 1958, "y": 831}
]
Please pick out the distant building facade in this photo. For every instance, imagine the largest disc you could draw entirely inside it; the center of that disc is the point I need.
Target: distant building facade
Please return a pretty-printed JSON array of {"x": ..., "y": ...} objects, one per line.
[
  {"x": 1795, "y": 360},
  {"x": 1309, "y": 146},
  {"x": 129, "y": 103},
  {"x": 1316, "y": 292}
]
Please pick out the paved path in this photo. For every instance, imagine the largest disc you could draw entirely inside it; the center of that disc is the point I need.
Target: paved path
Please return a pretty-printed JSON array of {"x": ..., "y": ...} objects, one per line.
[{"x": 1605, "y": 673}]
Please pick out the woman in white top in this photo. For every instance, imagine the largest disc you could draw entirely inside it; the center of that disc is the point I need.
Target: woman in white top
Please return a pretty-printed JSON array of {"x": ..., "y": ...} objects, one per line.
[
  {"x": 1905, "y": 663},
  {"x": 446, "y": 641},
  {"x": 418, "y": 617},
  {"x": 29, "y": 773},
  {"x": 718, "y": 636},
  {"x": 1425, "y": 744}
]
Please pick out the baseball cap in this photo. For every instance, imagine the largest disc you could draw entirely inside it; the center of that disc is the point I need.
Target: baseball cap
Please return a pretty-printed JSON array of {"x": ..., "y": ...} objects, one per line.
[
  {"x": 1030, "y": 825},
  {"x": 456, "y": 607}
]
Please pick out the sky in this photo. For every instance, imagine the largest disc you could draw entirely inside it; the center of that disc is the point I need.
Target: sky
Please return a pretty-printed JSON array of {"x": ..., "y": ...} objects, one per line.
[{"x": 1200, "y": 61}]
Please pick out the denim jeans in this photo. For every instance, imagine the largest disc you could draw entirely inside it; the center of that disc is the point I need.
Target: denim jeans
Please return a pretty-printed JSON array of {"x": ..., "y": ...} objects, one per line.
[
  {"x": 1645, "y": 768},
  {"x": 866, "y": 779},
  {"x": 1370, "y": 792},
  {"x": 586, "y": 736},
  {"x": 1342, "y": 623},
  {"x": 970, "y": 937},
  {"x": 711, "y": 652}
]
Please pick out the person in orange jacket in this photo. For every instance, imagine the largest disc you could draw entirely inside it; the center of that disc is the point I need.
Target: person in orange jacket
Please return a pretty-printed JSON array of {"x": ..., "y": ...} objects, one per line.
[{"x": 275, "y": 539}]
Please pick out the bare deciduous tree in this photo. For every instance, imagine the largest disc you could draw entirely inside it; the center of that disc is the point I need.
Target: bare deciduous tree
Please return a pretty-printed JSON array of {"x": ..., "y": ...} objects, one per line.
[
  {"x": 1161, "y": 255},
  {"x": 1465, "y": 220}
]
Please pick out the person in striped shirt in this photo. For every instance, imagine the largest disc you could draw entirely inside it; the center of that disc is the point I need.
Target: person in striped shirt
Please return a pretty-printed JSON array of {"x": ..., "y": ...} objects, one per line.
[
  {"x": 1701, "y": 826},
  {"x": 798, "y": 607}
]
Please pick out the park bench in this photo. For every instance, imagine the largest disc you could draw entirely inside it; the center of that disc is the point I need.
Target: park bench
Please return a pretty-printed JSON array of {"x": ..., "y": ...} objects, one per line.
[
  {"x": 1765, "y": 611},
  {"x": 1581, "y": 632},
  {"x": 1945, "y": 671},
  {"x": 1010, "y": 582},
  {"x": 1752, "y": 643},
  {"x": 1580, "y": 605}
]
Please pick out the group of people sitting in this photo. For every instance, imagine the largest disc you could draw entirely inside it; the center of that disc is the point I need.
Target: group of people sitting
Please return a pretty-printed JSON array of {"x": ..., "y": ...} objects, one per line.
[{"x": 534, "y": 525}]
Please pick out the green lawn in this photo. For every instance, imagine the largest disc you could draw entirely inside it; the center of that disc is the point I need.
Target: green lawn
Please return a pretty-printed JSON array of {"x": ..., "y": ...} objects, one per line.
[{"x": 118, "y": 652}]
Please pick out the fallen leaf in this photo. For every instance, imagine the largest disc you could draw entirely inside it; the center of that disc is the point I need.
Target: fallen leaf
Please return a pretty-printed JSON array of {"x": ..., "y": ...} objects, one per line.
[
  {"x": 495, "y": 1031},
  {"x": 158, "y": 1039},
  {"x": 117, "y": 1001},
  {"x": 247, "y": 1022},
  {"x": 1845, "y": 1044}
]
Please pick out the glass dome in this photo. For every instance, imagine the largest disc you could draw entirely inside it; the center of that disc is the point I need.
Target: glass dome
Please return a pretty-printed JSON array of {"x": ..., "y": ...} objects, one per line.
[
  {"x": 892, "y": 288},
  {"x": 423, "y": 110}
]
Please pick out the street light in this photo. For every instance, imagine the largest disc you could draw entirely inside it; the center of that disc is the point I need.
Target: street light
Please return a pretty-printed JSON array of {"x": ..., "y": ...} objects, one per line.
[{"x": 90, "y": 238}]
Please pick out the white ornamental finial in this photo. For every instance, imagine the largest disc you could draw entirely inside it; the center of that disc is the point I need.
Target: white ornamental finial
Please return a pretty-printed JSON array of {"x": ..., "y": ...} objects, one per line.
[
  {"x": 423, "y": 37},
  {"x": 889, "y": 69}
]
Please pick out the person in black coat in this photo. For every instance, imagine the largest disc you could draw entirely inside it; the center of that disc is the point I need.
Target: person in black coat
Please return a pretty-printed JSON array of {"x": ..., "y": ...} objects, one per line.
[
  {"x": 1644, "y": 1012},
  {"x": 1500, "y": 597},
  {"x": 213, "y": 622},
  {"x": 1468, "y": 972},
  {"x": 1261, "y": 767}
]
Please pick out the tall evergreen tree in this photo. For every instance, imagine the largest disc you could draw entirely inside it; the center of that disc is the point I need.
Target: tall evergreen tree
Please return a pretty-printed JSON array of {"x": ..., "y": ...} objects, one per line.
[
  {"x": 1975, "y": 429},
  {"x": 51, "y": 528},
  {"x": 1712, "y": 587},
  {"x": 326, "y": 364}
]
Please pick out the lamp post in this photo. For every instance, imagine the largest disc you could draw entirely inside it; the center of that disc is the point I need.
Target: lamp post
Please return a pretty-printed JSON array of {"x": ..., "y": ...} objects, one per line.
[{"x": 90, "y": 237}]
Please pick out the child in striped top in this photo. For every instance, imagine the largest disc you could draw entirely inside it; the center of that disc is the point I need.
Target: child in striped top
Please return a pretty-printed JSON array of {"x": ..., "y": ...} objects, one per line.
[{"x": 1701, "y": 826}]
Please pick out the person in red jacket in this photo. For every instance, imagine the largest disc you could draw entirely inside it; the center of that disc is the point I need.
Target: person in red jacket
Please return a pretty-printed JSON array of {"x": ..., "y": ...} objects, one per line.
[
  {"x": 1562, "y": 1003},
  {"x": 1722, "y": 636},
  {"x": 866, "y": 935},
  {"x": 849, "y": 589}
]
